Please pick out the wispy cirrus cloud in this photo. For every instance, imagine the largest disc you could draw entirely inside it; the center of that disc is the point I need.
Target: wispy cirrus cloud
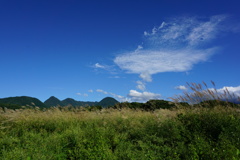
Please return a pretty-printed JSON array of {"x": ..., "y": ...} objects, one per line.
[
  {"x": 101, "y": 91},
  {"x": 174, "y": 46},
  {"x": 82, "y": 94},
  {"x": 103, "y": 67},
  {"x": 187, "y": 31},
  {"x": 97, "y": 65}
]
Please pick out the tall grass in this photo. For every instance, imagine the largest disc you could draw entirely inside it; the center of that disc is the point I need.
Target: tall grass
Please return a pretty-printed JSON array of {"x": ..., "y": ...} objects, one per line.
[
  {"x": 76, "y": 134},
  {"x": 202, "y": 95},
  {"x": 200, "y": 133}
]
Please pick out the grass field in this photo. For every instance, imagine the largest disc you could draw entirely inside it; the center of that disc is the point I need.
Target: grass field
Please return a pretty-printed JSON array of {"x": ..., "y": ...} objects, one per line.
[{"x": 199, "y": 133}]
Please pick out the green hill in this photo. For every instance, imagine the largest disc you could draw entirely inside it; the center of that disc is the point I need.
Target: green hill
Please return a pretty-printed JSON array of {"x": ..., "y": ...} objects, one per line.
[
  {"x": 70, "y": 101},
  {"x": 22, "y": 101},
  {"x": 52, "y": 101},
  {"x": 108, "y": 101},
  {"x": 74, "y": 103},
  {"x": 17, "y": 102}
]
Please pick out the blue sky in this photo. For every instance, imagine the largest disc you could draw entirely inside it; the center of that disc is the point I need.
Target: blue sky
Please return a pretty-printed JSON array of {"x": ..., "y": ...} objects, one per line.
[{"x": 129, "y": 50}]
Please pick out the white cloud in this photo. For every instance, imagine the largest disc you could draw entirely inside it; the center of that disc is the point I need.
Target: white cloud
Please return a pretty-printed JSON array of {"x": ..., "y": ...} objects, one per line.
[
  {"x": 174, "y": 46},
  {"x": 183, "y": 88},
  {"x": 146, "y": 76},
  {"x": 141, "y": 85},
  {"x": 205, "y": 30},
  {"x": 102, "y": 91},
  {"x": 150, "y": 62},
  {"x": 84, "y": 94},
  {"x": 188, "y": 30},
  {"x": 154, "y": 30},
  {"x": 117, "y": 96},
  {"x": 97, "y": 65},
  {"x": 142, "y": 96},
  {"x": 232, "y": 90},
  {"x": 90, "y": 90},
  {"x": 139, "y": 48},
  {"x": 104, "y": 67}
]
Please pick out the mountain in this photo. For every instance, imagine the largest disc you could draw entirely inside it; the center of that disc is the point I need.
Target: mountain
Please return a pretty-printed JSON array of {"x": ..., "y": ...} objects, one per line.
[
  {"x": 17, "y": 102},
  {"x": 70, "y": 101},
  {"x": 108, "y": 101},
  {"x": 53, "y": 101},
  {"x": 23, "y": 101},
  {"x": 74, "y": 103}
]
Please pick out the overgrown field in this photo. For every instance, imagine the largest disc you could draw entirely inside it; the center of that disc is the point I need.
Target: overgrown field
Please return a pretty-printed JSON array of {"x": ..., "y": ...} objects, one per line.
[{"x": 197, "y": 133}]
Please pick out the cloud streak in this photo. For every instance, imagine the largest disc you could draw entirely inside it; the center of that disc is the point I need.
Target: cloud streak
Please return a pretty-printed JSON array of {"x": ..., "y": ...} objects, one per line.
[
  {"x": 84, "y": 94},
  {"x": 97, "y": 65},
  {"x": 174, "y": 46}
]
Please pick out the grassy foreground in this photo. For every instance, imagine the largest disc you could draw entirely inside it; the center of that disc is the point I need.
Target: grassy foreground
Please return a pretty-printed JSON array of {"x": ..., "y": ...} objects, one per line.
[{"x": 199, "y": 133}]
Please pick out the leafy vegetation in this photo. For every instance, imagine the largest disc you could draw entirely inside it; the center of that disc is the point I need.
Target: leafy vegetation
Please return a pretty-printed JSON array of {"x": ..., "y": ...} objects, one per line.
[
  {"x": 23, "y": 101},
  {"x": 10, "y": 106},
  {"x": 107, "y": 102},
  {"x": 150, "y": 105},
  {"x": 18, "y": 102},
  {"x": 53, "y": 101},
  {"x": 200, "y": 133}
]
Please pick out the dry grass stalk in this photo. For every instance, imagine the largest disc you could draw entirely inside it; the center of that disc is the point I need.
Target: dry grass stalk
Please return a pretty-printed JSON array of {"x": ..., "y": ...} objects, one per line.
[{"x": 201, "y": 92}]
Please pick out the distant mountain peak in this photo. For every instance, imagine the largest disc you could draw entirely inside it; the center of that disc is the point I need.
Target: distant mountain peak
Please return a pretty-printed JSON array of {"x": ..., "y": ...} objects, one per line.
[
  {"x": 52, "y": 101},
  {"x": 107, "y": 101}
]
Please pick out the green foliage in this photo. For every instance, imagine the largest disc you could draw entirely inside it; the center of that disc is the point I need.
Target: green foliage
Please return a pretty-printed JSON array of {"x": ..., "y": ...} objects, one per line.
[
  {"x": 74, "y": 103},
  {"x": 158, "y": 104},
  {"x": 133, "y": 105},
  {"x": 150, "y": 105},
  {"x": 53, "y": 101},
  {"x": 213, "y": 103},
  {"x": 10, "y": 106},
  {"x": 107, "y": 102},
  {"x": 23, "y": 101},
  {"x": 205, "y": 133}
]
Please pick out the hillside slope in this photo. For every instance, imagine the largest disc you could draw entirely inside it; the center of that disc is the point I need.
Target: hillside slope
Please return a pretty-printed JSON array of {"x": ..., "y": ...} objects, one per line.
[
  {"x": 23, "y": 101},
  {"x": 108, "y": 101}
]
